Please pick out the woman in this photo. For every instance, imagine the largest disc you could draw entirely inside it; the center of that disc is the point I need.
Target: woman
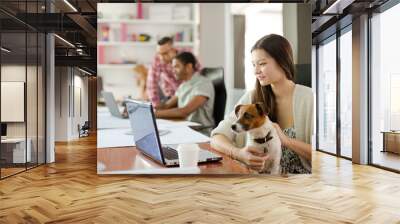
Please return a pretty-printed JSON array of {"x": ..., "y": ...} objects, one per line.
[
  {"x": 290, "y": 107},
  {"x": 142, "y": 72}
]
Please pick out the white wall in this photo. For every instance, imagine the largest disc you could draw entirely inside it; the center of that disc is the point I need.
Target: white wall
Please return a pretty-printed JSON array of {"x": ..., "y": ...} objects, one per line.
[
  {"x": 289, "y": 12},
  {"x": 216, "y": 44},
  {"x": 212, "y": 36},
  {"x": 81, "y": 104},
  {"x": 61, "y": 104},
  {"x": 121, "y": 82},
  {"x": 69, "y": 84},
  {"x": 16, "y": 73}
]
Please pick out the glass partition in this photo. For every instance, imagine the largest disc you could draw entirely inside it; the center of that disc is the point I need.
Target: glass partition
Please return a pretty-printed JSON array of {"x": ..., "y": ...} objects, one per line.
[
  {"x": 13, "y": 95},
  {"x": 22, "y": 67}
]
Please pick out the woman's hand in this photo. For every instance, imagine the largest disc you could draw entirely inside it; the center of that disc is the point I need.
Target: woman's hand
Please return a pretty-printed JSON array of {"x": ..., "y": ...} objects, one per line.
[
  {"x": 284, "y": 139},
  {"x": 125, "y": 112},
  {"x": 252, "y": 157}
]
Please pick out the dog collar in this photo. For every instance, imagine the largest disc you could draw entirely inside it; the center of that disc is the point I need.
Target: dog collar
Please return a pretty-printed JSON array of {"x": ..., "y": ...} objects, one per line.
[{"x": 264, "y": 139}]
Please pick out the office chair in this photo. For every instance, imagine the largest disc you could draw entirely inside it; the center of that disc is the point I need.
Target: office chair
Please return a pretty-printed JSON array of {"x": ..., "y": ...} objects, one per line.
[
  {"x": 216, "y": 75},
  {"x": 84, "y": 129}
]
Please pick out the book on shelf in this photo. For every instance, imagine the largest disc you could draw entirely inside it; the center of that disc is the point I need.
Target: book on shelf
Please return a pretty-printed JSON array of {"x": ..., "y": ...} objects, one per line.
[{"x": 139, "y": 9}]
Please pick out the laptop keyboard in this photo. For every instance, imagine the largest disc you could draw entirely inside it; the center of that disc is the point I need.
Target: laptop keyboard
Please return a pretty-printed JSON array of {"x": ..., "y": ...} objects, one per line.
[{"x": 169, "y": 153}]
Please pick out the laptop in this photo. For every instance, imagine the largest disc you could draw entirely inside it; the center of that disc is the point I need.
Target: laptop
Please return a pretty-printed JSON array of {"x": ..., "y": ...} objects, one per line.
[
  {"x": 147, "y": 138},
  {"x": 112, "y": 104}
]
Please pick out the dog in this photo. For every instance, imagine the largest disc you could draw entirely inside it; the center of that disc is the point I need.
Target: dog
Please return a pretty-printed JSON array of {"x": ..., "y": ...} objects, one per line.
[{"x": 252, "y": 119}]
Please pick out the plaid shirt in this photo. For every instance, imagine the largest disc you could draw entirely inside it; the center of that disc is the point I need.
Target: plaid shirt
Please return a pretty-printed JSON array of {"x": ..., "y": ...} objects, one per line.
[{"x": 162, "y": 76}]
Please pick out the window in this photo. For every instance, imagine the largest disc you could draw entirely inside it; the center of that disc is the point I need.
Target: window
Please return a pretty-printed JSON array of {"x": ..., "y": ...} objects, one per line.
[
  {"x": 346, "y": 93},
  {"x": 256, "y": 15},
  {"x": 394, "y": 102},
  {"x": 385, "y": 88},
  {"x": 327, "y": 96}
]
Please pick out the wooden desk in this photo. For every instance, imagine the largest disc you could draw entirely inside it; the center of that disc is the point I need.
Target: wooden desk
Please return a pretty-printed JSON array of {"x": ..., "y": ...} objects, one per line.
[
  {"x": 125, "y": 158},
  {"x": 391, "y": 141}
]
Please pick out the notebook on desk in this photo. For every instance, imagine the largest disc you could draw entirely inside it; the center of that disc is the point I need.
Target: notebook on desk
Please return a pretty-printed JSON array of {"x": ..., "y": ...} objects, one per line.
[{"x": 147, "y": 136}]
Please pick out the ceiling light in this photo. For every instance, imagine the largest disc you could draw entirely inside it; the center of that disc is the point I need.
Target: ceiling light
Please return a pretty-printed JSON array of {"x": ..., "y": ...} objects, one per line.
[
  {"x": 5, "y": 49},
  {"x": 84, "y": 71},
  {"x": 337, "y": 7},
  {"x": 70, "y": 5},
  {"x": 64, "y": 40}
]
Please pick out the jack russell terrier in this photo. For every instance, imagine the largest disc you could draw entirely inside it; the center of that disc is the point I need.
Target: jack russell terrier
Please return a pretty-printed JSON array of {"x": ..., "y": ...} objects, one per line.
[{"x": 261, "y": 133}]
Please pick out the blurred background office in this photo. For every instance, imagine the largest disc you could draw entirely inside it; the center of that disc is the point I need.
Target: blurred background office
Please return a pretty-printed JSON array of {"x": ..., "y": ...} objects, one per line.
[{"x": 220, "y": 35}]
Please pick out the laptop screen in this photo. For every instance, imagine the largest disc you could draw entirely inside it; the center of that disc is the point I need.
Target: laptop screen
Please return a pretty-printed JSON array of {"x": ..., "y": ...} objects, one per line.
[
  {"x": 111, "y": 103},
  {"x": 144, "y": 129}
]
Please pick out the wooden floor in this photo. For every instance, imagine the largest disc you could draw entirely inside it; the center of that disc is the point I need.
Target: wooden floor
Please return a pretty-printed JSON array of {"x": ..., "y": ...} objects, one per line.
[
  {"x": 70, "y": 191},
  {"x": 387, "y": 159},
  {"x": 10, "y": 171}
]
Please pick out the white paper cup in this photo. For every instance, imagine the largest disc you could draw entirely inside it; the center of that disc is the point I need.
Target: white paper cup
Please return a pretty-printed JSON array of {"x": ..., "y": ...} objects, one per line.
[{"x": 188, "y": 155}]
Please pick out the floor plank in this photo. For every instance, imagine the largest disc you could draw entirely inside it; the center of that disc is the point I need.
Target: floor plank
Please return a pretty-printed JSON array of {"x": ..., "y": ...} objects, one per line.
[{"x": 70, "y": 191}]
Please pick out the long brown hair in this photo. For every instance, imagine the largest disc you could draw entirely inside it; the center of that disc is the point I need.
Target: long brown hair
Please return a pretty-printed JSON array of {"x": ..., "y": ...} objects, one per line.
[{"x": 280, "y": 50}]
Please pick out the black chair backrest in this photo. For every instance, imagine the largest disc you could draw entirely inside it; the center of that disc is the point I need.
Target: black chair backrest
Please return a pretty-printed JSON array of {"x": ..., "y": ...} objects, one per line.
[
  {"x": 216, "y": 75},
  {"x": 86, "y": 125}
]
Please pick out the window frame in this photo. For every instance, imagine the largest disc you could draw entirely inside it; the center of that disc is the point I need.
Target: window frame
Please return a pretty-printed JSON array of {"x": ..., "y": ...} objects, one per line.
[{"x": 334, "y": 37}]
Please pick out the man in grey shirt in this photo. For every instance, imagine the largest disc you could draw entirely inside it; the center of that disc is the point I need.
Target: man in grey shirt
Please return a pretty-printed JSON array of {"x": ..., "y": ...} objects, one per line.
[{"x": 194, "y": 99}]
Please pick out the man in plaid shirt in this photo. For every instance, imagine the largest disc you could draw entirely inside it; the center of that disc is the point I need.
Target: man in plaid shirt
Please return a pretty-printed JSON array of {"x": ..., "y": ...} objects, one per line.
[{"x": 162, "y": 80}]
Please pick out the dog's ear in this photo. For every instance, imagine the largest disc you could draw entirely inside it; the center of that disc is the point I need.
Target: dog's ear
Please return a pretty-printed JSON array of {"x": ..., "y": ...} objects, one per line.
[
  {"x": 237, "y": 108},
  {"x": 260, "y": 108}
]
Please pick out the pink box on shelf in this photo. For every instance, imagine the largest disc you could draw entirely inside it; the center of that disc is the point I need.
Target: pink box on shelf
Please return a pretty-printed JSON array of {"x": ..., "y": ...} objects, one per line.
[
  {"x": 100, "y": 54},
  {"x": 139, "y": 9},
  {"x": 124, "y": 30}
]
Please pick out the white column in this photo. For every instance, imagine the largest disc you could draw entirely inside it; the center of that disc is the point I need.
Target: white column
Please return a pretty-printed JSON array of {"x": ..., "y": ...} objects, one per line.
[
  {"x": 360, "y": 90},
  {"x": 50, "y": 99}
]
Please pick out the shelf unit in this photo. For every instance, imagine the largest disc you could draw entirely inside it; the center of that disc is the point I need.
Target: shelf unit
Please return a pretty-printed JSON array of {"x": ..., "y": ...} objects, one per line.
[
  {"x": 118, "y": 35},
  {"x": 116, "y": 66},
  {"x": 119, "y": 49},
  {"x": 147, "y": 21},
  {"x": 141, "y": 44}
]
